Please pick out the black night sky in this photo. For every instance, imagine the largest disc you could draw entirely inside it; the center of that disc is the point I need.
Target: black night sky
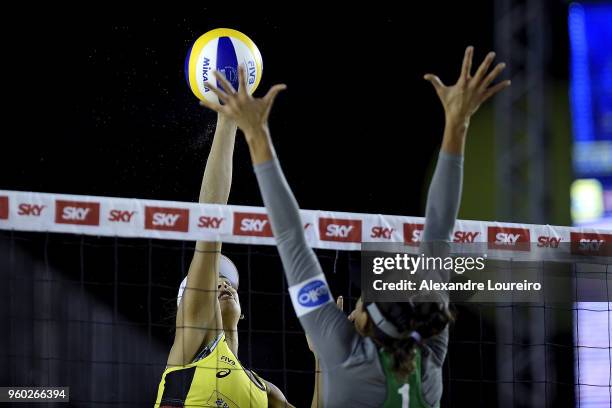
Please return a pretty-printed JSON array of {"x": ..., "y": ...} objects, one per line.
[{"x": 96, "y": 103}]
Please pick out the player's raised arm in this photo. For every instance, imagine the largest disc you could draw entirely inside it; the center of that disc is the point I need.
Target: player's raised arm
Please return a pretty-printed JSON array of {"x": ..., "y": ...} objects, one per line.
[
  {"x": 328, "y": 329},
  {"x": 198, "y": 318}
]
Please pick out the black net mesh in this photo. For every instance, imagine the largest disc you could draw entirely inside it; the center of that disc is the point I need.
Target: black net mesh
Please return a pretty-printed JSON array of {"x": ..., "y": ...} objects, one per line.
[{"x": 97, "y": 315}]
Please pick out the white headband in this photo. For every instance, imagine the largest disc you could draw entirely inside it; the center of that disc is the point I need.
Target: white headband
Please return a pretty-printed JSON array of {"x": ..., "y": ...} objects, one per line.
[
  {"x": 227, "y": 270},
  {"x": 383, "y": 324}
]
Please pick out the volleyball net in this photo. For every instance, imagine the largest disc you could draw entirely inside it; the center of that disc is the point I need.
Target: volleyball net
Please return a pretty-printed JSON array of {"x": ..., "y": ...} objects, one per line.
[{"x": 88, "y": 294}]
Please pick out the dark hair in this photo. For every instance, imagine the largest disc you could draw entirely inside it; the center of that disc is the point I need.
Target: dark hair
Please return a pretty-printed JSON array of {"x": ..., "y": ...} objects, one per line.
[{"x": 427, "y": 315}]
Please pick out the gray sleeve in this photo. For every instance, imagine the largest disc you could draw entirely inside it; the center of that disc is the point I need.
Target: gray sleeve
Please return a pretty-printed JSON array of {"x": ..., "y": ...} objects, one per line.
[
  {"x": 443, "y": 198},
  {"x": 329, "y": 330},
  {"x": 443, "y": 202}
]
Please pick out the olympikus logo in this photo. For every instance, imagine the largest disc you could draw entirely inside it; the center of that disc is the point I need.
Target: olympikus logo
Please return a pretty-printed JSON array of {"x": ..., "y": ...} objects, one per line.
[
  {"x": 167, "y": 219},
  {"x": 33, "y": 210},
  {"x": 252, "y": 224},
  {"x": 381, "y": 232},
  {"x": 585, "y": 243},
  {"x": 514, "y": 239},
  {"x": 121, "y": 216},
  {"x": 77, "y": 212},
  {"x": 465, "y": 237},
  {"x": 210, "y": 222},
  {"x": 413, "y": 234},
  {"x": 4, "y": 208},
  {"x": 548, "y": 242},
  {"x": 332, "y": 229}
]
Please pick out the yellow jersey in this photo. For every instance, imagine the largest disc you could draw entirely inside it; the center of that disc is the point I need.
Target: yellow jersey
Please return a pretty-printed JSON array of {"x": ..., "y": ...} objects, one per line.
[{"x": 214, "y": 379}]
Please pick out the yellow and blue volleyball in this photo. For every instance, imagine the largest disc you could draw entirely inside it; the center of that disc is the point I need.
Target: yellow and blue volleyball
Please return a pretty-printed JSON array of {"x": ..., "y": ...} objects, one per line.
[{"x": 223, "y": 50}]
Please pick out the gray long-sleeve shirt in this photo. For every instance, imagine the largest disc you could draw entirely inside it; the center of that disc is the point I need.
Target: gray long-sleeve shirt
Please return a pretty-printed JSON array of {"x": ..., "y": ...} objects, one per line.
[{"x": 352, "y": 373}]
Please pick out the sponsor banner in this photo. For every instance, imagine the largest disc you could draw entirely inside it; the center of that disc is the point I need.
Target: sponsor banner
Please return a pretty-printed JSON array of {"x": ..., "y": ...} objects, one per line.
[
  {"x": 591, "y": 244},
  {"x": 509, "y": 238},
  {"x": 77, "y": 212},
  {"x": 108, "y": 216},
  {"x": 4, "y": 207},
  {"x": 379, "y": 228},
  {"x": 413, "y": 233},
  {"x": 251, "y": 224},
  {"x": 340, "y": 229}
]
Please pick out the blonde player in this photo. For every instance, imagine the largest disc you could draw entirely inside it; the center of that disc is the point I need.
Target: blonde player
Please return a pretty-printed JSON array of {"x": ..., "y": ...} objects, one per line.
[{"x": 203, "y": 369}]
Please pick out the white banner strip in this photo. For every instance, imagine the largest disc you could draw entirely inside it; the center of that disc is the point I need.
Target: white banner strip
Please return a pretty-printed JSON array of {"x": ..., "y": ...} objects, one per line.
[{"x": 122, "y": 217}]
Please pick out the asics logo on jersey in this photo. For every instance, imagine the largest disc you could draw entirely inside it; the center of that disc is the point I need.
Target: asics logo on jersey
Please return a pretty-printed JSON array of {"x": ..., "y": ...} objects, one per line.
[
  {"x": 313, "y": 294},
  {"x": 223, "y": 373}
]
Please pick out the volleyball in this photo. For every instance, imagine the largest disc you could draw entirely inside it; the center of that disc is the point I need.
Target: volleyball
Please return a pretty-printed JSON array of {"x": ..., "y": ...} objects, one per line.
[{"x": 223, "y": 50}]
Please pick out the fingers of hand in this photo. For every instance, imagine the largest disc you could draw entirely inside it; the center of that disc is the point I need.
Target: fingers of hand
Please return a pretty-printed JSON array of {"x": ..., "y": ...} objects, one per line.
[
  {"x": 340, "y": 302},
  {"x": 242, "y": 87},
  {"x": 212, "y": 106},
  {"x": 495, "y": 89},
  {"x": 484, "y": 67},
  {"x": 493, "y": 74},
  {"x": 271, "y": 95},
  {"x": 220, "y": 94},
  {"x": 227, "y": 86},
  {"x": 436, "y": 82},
  {"x": 466, "y": 68}
]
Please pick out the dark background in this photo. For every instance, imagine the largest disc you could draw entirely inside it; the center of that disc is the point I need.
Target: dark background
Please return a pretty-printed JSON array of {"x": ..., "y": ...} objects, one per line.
[{"x": 96, "y": 103}]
